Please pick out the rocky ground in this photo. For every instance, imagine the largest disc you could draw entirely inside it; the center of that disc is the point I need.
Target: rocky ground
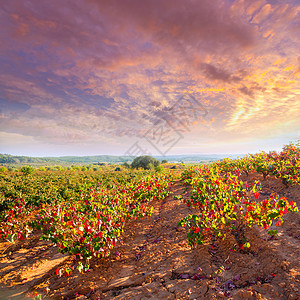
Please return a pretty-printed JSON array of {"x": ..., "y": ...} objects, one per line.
[{"x": 154, "y": 260}]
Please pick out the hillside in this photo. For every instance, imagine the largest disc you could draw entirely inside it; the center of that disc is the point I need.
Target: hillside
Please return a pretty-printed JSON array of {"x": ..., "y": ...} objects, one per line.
[
  {"x": 13, "y": 159},
  {"x": 7, "y": 159}
]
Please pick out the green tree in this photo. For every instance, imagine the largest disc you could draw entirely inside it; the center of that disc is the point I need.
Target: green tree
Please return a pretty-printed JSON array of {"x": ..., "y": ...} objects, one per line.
[
  {"x": 145, "y": 162},
  {"x": 27, "y": 170}
]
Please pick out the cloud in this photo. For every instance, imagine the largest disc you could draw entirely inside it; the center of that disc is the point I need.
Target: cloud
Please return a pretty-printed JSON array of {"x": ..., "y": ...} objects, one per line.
[
  {"x": 262, "y": 14},
  {"x": 109, "y": 69},
  {"x": 177, "y": 21},
  {"x": 218, "y": 74},
  {"x": 15, "y": 108}
]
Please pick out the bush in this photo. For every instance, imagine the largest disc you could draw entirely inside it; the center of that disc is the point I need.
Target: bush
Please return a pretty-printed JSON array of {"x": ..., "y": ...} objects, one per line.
[
  {"x": 3, "y": 169},
  {"x": 145, "y": 162},
  {"x": 164, "y": 161},
  {"x": 27, "y": 170},
  {"x": 159, "y": 169},
  {"x": 126, "y": 165}
]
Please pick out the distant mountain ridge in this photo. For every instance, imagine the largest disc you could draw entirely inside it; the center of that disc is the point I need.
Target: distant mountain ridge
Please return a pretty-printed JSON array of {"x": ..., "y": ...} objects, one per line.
[{"x": 14, "y": 159}]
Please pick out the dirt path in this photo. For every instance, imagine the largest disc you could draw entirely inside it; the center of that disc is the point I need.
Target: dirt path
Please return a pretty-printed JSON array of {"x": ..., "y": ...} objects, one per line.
[{"x": 154, "y": 260}]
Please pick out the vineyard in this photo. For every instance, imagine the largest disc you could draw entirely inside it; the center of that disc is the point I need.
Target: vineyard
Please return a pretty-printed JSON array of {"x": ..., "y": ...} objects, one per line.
[{"x": 229, "y": 229}]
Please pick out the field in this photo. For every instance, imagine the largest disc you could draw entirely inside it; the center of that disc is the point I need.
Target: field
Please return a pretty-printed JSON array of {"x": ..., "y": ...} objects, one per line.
[{"x": 230, "y": 229}]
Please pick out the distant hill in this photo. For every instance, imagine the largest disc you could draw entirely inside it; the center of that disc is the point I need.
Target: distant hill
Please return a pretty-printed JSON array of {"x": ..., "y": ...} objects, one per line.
[
  {"x": 91, "y": 159},
  {"x": 15, "y": 160},
  {"x": 197, "y": 157},
  {"x": 12, "y": 159}
]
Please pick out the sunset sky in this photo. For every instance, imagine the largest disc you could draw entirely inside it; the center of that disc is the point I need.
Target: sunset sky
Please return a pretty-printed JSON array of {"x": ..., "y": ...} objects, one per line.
[{"x": 104, "y": 77}]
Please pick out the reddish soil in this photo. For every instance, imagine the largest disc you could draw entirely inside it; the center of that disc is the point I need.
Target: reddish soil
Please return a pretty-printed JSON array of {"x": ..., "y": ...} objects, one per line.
[{"x": 154, "y": 260}]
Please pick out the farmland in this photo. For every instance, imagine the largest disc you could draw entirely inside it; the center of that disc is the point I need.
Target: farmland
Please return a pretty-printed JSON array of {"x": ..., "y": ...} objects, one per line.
[{"x": 229, "y": 229}]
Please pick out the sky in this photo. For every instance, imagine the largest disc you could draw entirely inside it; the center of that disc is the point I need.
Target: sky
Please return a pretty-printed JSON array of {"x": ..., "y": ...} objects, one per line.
[{"x": 159, "y": 77}]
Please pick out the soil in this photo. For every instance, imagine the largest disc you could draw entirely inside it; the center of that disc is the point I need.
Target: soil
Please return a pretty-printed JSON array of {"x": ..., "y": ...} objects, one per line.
[{"x": 152, "y": 260}]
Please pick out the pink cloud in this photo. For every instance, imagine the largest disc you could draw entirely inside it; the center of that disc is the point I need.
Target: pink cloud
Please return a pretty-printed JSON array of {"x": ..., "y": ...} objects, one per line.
[{"x": 67, "y": 59}]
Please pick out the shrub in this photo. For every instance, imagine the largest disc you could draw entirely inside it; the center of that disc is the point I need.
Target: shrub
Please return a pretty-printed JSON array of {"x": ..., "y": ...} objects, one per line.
[
  {"x": 159, "y": 169},
  {"x": 145, "y": 162},
  {"x": 27, "y": 170},
  {"x": 3, "y": 169},
  {"x": 126, "y": 165}
]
